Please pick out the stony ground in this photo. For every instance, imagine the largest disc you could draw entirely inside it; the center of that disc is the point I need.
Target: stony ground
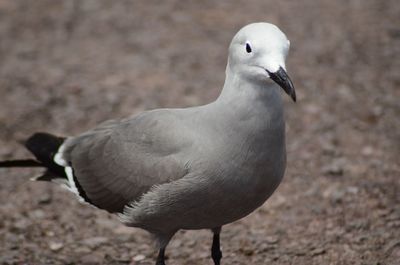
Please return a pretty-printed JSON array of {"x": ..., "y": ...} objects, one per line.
[{"x": 67, "y": 65}]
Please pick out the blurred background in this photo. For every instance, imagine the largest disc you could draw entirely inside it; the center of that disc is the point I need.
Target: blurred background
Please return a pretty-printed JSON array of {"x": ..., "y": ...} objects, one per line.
[{"x": 67, "y": 65}]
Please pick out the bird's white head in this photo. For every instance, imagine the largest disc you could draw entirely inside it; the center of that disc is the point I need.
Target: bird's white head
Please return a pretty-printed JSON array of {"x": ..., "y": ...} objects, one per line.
[{"x": 258, "y": 53}]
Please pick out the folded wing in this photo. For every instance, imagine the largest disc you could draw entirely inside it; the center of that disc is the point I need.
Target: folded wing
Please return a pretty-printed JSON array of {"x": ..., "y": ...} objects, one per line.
[{"x": 118, "y": 161}]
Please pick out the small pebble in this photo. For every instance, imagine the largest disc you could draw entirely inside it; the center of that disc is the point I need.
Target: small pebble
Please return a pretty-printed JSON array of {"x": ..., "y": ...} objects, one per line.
[
  {"x": 272, "y": 239},
  {"x": 45, "y": 199},
  {"x": 333, "y": 169},
  {"x": 139, "y": 257},
  {"x": 317, "y": 251},
  {"x": 367, "y": 151},
  {"x": 94, "y": 242},
  {"x": 56, "y": 246}
]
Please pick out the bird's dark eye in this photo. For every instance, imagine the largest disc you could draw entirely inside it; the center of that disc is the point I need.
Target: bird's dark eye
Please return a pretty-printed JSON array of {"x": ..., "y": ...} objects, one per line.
[{"x": 248, "y": 47}]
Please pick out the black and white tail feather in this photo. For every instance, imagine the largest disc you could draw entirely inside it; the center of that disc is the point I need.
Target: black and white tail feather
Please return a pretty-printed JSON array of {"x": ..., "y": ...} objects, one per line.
[{"x": 47, "y": 149}]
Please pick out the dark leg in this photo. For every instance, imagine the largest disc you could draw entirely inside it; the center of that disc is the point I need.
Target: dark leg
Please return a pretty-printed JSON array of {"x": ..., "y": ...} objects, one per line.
[
  {"x": 216, "y": 253},
  {"x": 161, "y": 257},
  {"x": 162, "y": 240}
]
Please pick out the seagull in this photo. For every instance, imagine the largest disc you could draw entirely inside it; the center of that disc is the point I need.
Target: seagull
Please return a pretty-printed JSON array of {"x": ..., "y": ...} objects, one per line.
[{"x": 192, "y": 168}]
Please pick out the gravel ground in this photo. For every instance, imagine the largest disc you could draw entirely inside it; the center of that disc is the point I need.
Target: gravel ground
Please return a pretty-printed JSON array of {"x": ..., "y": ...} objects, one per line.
[{"x": 67, "y": 65}]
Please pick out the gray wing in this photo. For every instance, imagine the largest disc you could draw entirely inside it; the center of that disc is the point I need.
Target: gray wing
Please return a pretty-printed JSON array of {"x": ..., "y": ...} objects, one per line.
[{"x": 117, "y": 162}]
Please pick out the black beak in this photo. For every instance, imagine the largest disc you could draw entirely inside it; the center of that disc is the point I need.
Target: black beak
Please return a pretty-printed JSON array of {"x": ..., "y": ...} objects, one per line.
[{"x": 282, "y": 79}]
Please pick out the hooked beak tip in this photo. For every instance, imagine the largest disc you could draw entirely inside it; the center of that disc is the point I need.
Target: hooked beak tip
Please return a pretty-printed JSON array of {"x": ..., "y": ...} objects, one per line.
[{"x": 293, "y": 96}]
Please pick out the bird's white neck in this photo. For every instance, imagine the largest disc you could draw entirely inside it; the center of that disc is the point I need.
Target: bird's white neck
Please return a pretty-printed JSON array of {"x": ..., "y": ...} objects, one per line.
[{"x": 253, "y": 97}]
